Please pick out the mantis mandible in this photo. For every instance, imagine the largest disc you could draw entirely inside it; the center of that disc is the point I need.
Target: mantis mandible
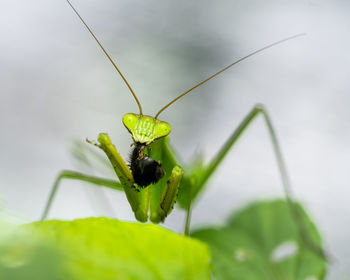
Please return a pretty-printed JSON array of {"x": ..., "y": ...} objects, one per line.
[{"x": 154, "y": 179}]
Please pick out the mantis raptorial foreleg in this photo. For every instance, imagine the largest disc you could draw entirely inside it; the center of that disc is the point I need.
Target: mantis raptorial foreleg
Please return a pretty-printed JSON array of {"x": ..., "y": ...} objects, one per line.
[
  {"x": 198, "y": 186},
  {"x": 168, "y": 197},
  {"x": 123, "y": 173},
  {"x": 137, "y": 199}
]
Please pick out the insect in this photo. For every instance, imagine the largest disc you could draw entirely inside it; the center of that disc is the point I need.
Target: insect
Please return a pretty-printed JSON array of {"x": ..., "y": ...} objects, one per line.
[{"x": 154, "y": 179}]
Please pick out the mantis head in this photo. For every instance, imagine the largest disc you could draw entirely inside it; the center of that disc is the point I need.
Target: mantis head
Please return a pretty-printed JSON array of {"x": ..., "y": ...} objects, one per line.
[{"x": 145, "y": 129}]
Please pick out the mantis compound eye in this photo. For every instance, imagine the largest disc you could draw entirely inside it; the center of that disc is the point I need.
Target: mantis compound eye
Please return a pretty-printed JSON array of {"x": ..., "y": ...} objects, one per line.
[{"x": 145, "y": 170}]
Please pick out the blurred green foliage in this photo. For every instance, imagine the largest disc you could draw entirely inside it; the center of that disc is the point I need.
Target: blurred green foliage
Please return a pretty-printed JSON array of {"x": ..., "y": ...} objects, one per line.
[
  {"x": 24, "y": 256},
  {"x": 262, "y": 242}
]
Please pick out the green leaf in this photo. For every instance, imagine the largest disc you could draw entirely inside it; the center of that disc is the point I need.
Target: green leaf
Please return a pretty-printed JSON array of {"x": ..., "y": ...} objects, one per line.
[
  {"x": 23, "y": 256},
  {"x": 262, "y": 242},
  {"x": 103, "y": 248}
]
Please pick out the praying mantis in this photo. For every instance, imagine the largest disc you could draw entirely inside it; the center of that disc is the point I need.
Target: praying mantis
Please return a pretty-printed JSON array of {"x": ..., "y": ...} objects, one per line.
[{"x": 154, "y": 179}]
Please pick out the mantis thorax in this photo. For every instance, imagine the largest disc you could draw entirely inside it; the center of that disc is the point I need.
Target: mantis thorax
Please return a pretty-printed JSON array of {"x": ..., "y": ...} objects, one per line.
[{"x": 145, "y": 129}]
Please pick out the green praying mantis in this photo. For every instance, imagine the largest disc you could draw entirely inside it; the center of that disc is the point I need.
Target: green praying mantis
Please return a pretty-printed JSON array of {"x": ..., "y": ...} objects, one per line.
[{"x": 154, "y": 180}]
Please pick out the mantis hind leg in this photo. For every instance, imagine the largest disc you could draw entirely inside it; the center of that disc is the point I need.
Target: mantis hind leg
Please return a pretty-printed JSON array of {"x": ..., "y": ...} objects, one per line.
[
  {"x": 72, "y": 175},
  {"x": 257, "y": 110},
  {"x": 287, "y": 186}
]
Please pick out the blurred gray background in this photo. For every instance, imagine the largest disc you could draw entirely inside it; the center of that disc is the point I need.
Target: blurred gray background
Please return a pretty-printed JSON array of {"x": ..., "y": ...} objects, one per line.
[{"x": 56, "y": 86}]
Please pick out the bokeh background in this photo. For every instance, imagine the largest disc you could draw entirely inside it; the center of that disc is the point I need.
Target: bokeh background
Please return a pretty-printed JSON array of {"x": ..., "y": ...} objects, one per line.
[{"x": 56, "y": 87}]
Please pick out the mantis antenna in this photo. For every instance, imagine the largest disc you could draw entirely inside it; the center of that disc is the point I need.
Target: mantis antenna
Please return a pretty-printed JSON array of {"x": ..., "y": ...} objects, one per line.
[
  {"x": 227, "y": 67},
  {"x": 110, "y": 59}
]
